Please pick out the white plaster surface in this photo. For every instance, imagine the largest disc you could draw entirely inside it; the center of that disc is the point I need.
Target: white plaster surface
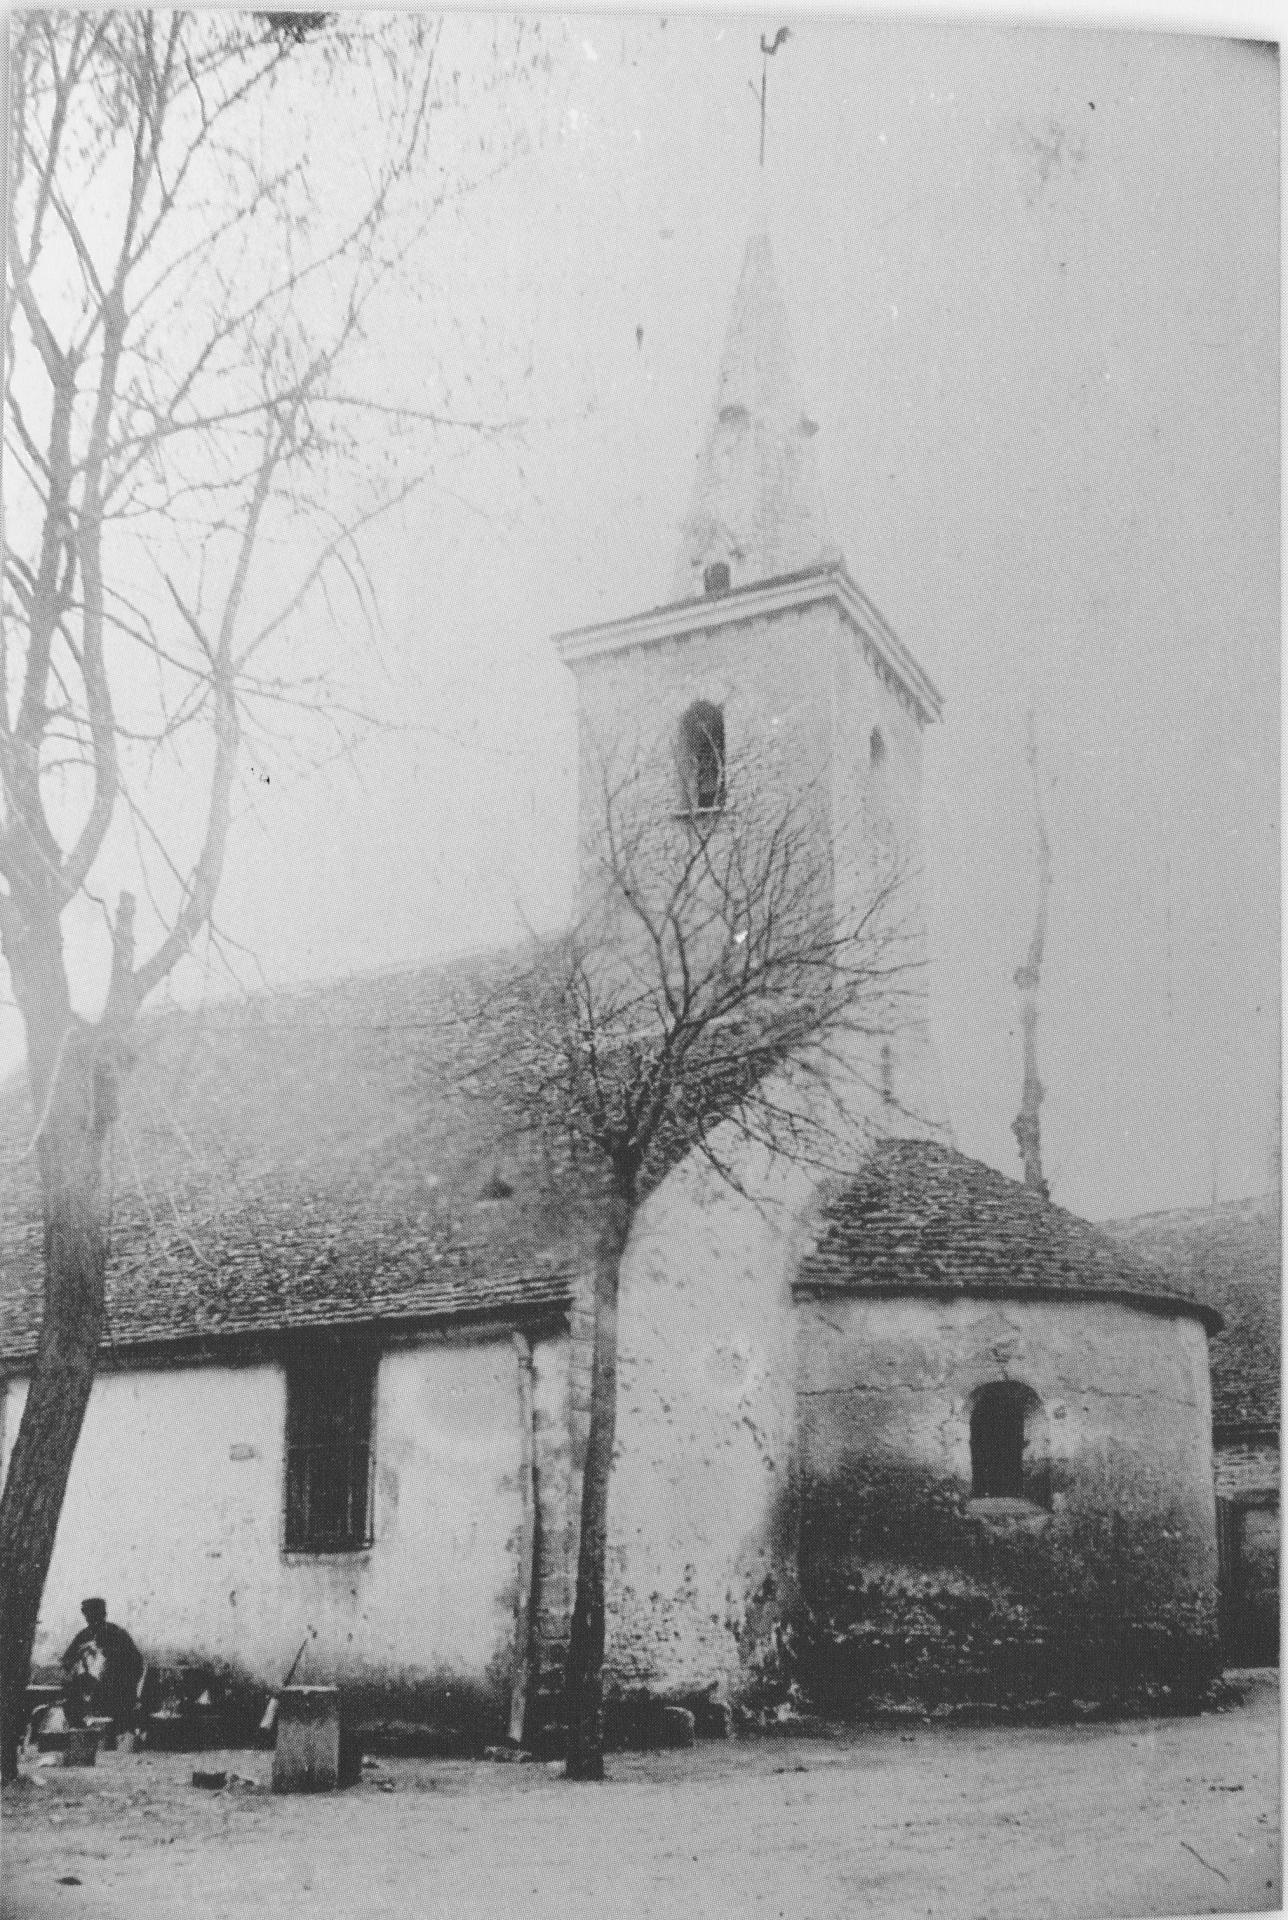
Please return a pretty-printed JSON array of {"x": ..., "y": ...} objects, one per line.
[
  {"x": 174, "y": 1513},
  {"x": 896, "y": 1376},
  {"x": 712, "y": 1349},
  {"x": 800, "y": 698},
  {"x": 706, "y": 1411}
]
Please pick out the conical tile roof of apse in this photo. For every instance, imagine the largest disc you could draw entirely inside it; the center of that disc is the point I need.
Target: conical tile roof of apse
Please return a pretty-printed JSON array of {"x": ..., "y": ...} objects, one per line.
[
  {"x": 922, "y": 1218},
  {"x": 757, "y": 504}
]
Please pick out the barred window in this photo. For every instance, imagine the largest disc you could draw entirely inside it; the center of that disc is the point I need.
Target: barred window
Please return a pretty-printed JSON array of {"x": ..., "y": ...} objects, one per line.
[{"x": 330, "y": 1392}]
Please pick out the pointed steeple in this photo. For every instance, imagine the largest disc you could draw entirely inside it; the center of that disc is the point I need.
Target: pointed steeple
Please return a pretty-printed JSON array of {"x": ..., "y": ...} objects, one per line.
[{"x": 757, "y": 506}]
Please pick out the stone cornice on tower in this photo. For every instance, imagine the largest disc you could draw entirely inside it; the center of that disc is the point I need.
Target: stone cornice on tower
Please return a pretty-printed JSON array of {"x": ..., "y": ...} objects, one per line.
[{"x": 827, "y": 582}]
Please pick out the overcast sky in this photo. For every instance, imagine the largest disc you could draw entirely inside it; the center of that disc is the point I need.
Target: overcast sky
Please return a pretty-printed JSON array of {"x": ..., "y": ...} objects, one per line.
[{"x": 1033, "y": 282}]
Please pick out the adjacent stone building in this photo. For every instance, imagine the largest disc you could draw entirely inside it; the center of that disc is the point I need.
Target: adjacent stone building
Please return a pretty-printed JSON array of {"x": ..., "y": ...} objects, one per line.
[
  {"x": 1232, "y": 1253},
  {"x": 891, "y": 1428}
]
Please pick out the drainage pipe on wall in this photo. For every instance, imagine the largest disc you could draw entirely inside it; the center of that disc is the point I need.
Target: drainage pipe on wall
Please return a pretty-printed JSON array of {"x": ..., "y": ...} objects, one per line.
[{"x": 523, "y": 1619}]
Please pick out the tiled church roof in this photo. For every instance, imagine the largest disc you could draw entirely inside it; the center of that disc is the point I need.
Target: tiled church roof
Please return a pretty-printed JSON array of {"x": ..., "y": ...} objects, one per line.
[
  {"x": 922, "y": 1217},
  {"x": 318, "y": 1158},
  {"x": 310, "y": 1158},
  {"x": 1231, "y": 1253}
]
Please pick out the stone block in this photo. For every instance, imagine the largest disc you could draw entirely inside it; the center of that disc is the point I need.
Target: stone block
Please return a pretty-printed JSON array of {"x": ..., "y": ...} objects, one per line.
[{"x": 306, "y": 1758}]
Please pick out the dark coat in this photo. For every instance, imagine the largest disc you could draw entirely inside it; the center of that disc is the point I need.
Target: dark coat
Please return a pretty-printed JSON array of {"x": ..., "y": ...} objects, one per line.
[{"x": 109, "y": 1667}]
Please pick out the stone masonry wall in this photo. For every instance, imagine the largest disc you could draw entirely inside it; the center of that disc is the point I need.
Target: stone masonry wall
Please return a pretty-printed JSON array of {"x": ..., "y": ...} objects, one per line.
[
  {"x": 701, "y": 1554},
  {"x": 557, "y": 1432},
  {"x": 1246, "y": 1467},
  {"x": 771, "y": 676},
  {"x": 1100, "y": 1584},
  {"x": 801, "y": 694},
  {"x": 562, "y": 1429},
  {"x": 702, "y": 1516},
  {"x": 1247, "y": 1498},
  {"x": 174, "y": 1512}
]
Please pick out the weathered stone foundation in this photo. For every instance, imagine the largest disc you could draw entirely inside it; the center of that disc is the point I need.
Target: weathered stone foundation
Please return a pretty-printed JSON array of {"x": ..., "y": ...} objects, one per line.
[
  {"x": 1091, "y": 1581},
  {"x": 912, "y": 1598}
]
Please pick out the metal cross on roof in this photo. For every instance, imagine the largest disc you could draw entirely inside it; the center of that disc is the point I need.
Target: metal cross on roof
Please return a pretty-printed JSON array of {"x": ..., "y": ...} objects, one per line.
[{"x": 768, "y": 49}]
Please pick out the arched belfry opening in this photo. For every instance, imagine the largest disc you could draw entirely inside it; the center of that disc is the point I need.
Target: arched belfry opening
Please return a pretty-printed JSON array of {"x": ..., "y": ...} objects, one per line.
[
  {"x": 755, "y": 689},
  {"x": 701, "y": 753}
]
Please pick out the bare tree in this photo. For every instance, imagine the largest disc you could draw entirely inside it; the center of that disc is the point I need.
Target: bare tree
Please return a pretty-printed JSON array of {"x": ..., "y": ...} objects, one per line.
[
  {"x": 1027, "y": 1125},
  {"x": 204, "y": 213},
  {"x": 713, "y": 993}
]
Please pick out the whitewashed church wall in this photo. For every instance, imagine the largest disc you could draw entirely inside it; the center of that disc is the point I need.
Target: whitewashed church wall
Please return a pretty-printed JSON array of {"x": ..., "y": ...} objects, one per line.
[
  {"x": 876, "y": 784},
  {"x": 705, "y": 1424},
  {"x": 772, "y": 680},
  {"x": 175, "y": 1514},
  {"x": 882, "y": 1377},
  {"x": 1094, "y": 1576}
]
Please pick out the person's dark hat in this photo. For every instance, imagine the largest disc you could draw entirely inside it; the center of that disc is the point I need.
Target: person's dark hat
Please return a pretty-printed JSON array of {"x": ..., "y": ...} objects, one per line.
[{"x": 94, "y": 1606}]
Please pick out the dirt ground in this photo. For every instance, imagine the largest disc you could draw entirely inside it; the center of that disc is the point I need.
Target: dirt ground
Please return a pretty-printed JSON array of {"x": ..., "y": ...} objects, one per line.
[{"x": 1140, "y": 1817}]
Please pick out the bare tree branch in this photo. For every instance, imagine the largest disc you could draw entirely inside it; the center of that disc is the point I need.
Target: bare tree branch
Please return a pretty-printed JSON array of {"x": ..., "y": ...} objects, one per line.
[
  {"x": 1027, "y": 1125},
  {"x": 188, "y": 439}
]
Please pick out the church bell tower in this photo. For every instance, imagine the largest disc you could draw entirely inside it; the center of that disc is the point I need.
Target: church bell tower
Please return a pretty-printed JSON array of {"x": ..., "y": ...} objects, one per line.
[{"x": 768, "y": 681}]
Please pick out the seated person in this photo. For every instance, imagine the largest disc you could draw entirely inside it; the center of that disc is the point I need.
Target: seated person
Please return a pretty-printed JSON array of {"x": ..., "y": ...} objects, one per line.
[{"x": 103, "y": 1668}]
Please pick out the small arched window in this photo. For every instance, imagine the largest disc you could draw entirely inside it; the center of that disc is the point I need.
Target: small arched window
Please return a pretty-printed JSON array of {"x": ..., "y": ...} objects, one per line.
[
  {"x": 876, "y": 749},
  {"x": 997, "y": 1440},
  {"x": 702, "y": 757}
]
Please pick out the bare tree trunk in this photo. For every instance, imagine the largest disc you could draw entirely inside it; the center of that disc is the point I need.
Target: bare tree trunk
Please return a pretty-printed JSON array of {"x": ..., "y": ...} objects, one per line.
[
  {"x": 75, "y": 1088},
  {"x": 1027, "y": 1125},
  {"x": 584, "y": 1696}
]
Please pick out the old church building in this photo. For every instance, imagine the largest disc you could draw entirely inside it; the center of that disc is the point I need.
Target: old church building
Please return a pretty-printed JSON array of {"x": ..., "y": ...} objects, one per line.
[{"x": 892, "y": 1430}]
